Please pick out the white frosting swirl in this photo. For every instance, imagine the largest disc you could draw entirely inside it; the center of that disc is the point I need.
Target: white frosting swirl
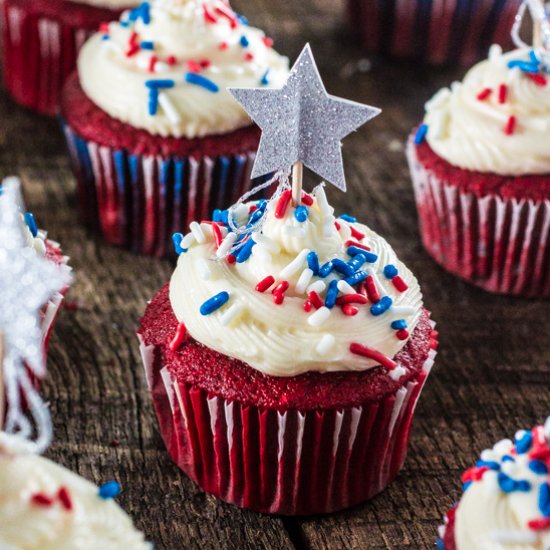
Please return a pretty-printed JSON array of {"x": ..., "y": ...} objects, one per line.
[
  {"x": 470, "y": 133},
  {"x": 91, "y": 524},
  {"x": 278, "y": 339},
  {"x": 233, "y": 55},
  {"x": 489, "y": 519},
  {"x": 109, "y": 4}
]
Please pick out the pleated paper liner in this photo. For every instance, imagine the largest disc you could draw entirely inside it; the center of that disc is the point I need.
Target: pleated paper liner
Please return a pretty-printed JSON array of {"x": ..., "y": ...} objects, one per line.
[
  {"x": 139, "y": 201},
  {"x": 40, "y": 50},
  {"x": 438, "y": 32},
  {"x": 291, "y": 462},
  {"x": 501, "y": 245}
]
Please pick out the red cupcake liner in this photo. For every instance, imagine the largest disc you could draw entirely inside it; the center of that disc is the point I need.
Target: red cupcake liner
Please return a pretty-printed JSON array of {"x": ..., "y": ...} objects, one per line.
[
  {"x": 138, "y": 201},
  {"x": 40, "y": 49},
  {"x": 437, "y": 31},
  {"x": 284, "y": 462},
  {"x": 499, "y": 244}
]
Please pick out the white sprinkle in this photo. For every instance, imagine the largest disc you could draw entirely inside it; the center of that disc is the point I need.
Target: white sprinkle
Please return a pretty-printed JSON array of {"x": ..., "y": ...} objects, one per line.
[
  {"x": 377, "y": 282},
  {"x": 304, "y": 280},
  {"x": 187, "y": 241},
  {"x": 226, "y": 245},
  {"x": 261, "y": 252},
  {"x": 203, "y": 268},
  {"x": 169, "y": 108},
  {"x": 438, "y": 99},
  {"x": 546, "y": 429},
  {"x": 292, "y": 231},
  {"x": 325, "y": 344},
  {"x": 345, "y": 288},
  {"x": 270, "y": 244},
  {"x": 318, "y": 286},
  {"x": 441, "y": 529},
  {"x": 197, "y": 231},
  {"x": 40, "y": 246},
  {"x": 319, "y": 317},
  {"x": 322, "y": 201},
  {"x": 504, "y": 446},
  {"x": 514, "y": 537},
  {"x": 345, "y": 231},
  {"x": 231, "y": 314},
  {"x": 437, "y": 124},
  {"x": 495, "y": 51},
  {"x": 520, "y": 434},
  {"x": 397, "y": 373},
  {"x": 488, "y": 455},
  {"x": 294, "y": 265},
  {"x": 403, "y": 310},
  {"x": 455, "y": 86},
  {"x": 490, "y": 482}
]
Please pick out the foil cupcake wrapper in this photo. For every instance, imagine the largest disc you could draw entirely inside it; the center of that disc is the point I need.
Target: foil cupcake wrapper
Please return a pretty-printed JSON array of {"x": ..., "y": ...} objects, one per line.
[
  {"x": 139, "y": 201},
  {"x": 501, "y": 245},
  {"x": 291, "y": 462},
  {"x": 438, "y": 31}
]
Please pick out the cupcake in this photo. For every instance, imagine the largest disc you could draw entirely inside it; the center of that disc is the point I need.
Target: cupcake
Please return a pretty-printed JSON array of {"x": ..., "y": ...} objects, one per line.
[
  {"x": 506, "y": 500},
  {"x": 436, "y": 32},
  {"x": 286, "y": 356},
  {"x": 480, "y": 165},
  {"x": 44, "y": 506},
  {"x": 155, "y": 139},
  {"x": 41, "y": 41}
]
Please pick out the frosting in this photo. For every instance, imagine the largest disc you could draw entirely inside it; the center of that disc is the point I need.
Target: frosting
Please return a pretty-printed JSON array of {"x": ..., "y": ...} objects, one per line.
[
  {"x": 281, "y": 329},
  {"x": 506, "y": 504},
  {"x": 110, "y": 4},
  {"x": 497, "y": 120},
  {"x": 166, "y": 65},
  {"x": 44, "y": 506}
]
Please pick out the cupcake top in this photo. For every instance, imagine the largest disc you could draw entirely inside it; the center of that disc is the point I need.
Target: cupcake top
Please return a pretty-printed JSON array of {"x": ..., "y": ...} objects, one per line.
[
  {"x": 506, "y": 503},
  {"x": 165, "y": 66},
  {"x": 44, "y": 506},
  {"x": 497, "y": 119},
  {"x": 291, "y": 289}
]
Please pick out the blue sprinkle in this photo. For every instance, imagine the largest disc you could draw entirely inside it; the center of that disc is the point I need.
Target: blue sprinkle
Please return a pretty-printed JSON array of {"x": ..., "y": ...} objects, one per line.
[
  {"x": 221, "y": 216},
  {"x": 147, "y": 45},
  {"x": 141, "y": 12},
  {"x": 390, "y": 271},
  {"x": 533, "y": 56},
  {"x": 466, "y": 485},
  {"x": 524, "y": 444},
  {"x": 544, "y": 499},
  {"x": 356, "y": 278},
  {"x": 110, "y": 489},
  {"x": 313, "y": 262},
  {"x": 489, "y": 464},
  {"x": 325, "y": 269},
  {"x": 242, "y": 19},
  {"x": 400, "y": 324},
  {"x": 381, "y": 306},
  {"x": 357, "y": 262},
  {"x": 348, "y": 218},
  {"x": 509, "y": 485},
  {"x": 106, "y": 37},
  {"x": 265, "y": 78},
  {"x": 369, "y": 256},
  {"x": 176, "y": 239},
  {"x": 507, "y": 458},
  {"x": 245, "y": 251},
  {"x": 257, "y": 215},
  {"x": 124, "y": 24},
  {"x": 31, "y": 224},
  {"x": 420, "y": 134},
  {"x": 342, "y": 267},
  {"x": 332, "y": 293},
  {"x": 301, "y": 213},
  {"x": 524, "y": 66},
  {"x": 538, "y": 467},
  {"x": 440, "y": 544},
  {"x": 163, "y": 83},
  {"x": 153, "y": 101},
  {"x": 214, "y": 303},
  {"x": 244, "y": 41},
  {"x": 202, "y": 81}
]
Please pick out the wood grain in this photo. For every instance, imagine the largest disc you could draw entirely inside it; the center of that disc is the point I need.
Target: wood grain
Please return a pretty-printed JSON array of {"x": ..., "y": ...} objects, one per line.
[{"x": 491, "y": 377}]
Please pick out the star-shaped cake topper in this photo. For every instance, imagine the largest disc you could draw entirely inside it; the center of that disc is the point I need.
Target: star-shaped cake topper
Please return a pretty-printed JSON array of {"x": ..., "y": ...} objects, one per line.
[
  {"x": 27, "y": 282},
  {"x": 301, "y": 122}
]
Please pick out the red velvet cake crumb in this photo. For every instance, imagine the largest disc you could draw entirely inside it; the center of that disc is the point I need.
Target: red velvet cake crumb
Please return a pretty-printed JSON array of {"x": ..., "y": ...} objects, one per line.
[
  {"x": 93, "y": 124},
  {"x": 533, "y": 187},
  {"x": 234, "y": 380}
]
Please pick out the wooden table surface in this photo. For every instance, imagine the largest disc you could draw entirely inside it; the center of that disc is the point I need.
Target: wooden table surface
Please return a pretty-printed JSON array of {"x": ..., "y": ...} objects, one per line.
[{"x": 492, "y": 374}]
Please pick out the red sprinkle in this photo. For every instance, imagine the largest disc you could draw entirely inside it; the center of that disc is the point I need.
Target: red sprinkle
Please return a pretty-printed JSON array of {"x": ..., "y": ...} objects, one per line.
[
  {"x": 65, "y": 498},
  {"x": 372, "y": 291},
  {"x": 268, "y": 42},
  {"x": 223, "y": 46},
  {"x": 399, "y": 283},
  {"x": 510, "y": 125},
  {"x": 205, "y": 63},
  {"x": 248, "y": 56},
  {"x": 358, "y": 245},
  {"x": 179, "y": 337},
  {"x": 350, "y": 310},
  {"x": 231, "y": 259},
  {"x": 307, "y": 199},
  {"x": 266, "y": 283},
  {"x": 216, "y": 230},
  {"x": 315, "y": 299},
  {"x": 307, "y": 306},
  {"x": 538, "y": 79},
  {"x": 502, "y": 93},
  {"x": 539, "y": 524},
  {"x": 337, "y": 225},
  {"x": 171, "y": 60},
  {"x": 402, "y": 334},
  {"x": 41, "y": 499},
  {"x": 281, "y": 288},
  {"x": 353, "y": 299},
  {"x": 104, "y": 28},
  {"x": 193, "y": 66},
  {"x": 132, "y": 50},
  {"x": 133, "y": 38},
  {"x": 278, "y": 298},
  {"x": 365, "y": 351},
  {"x": 252, "y": 208},
  {"x": 484, "y": 94},
  {"x": 282, "y": 204},
  {"x": 208, "y": 17},
  {"x": 152, "y": 62},
  {"x": 226, "y": 12},
  {"x": 356, "y": 234}
]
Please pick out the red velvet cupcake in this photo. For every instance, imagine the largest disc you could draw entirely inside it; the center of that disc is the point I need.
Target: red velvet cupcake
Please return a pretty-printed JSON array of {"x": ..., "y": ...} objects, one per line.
[
  {"x": 286, "y": 361},
  {"x": 155, "y": 139},
  {"x": 480, "y": 165},
  {"x": 41, "y": 41}
]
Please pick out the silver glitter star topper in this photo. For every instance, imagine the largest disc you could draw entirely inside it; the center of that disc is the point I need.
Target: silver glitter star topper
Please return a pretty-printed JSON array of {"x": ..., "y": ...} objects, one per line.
[
  {"x": 27, "y": 282},
  {"x": 302, "y": 123}
]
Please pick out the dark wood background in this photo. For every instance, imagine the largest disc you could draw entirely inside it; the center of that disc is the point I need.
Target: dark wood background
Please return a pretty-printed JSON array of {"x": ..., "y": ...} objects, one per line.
[{"x": 492, "y": 374}]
